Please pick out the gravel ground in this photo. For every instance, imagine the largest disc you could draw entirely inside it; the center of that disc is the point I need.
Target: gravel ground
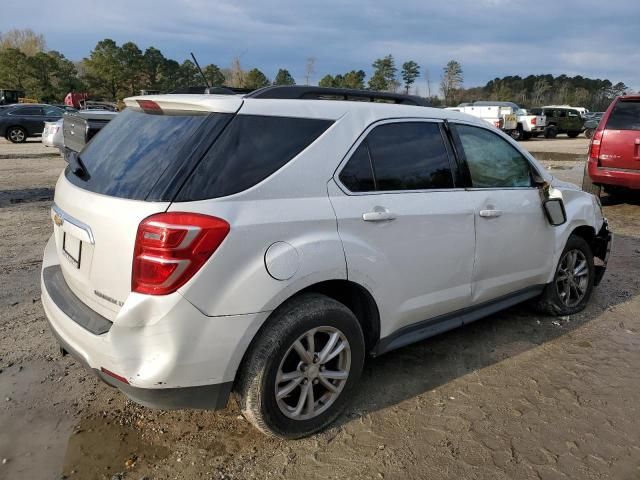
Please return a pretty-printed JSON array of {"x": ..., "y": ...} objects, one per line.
[{"x": 516, "y": 395}]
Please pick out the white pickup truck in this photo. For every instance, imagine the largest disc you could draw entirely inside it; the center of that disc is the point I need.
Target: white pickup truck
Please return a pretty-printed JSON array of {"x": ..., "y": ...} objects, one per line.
[{"x": 507, "y": 116}]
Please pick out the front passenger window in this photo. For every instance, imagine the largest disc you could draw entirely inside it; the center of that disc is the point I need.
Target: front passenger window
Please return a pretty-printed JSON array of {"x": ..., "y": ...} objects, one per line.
[{"x": 492, "y": 161}]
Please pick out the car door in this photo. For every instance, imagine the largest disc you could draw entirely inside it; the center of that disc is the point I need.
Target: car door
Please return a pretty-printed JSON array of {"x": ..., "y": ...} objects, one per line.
[
  {"x": 514, "y": 241},
  {"x": 30, "y": 117},
  {"x": 407, "y": 231}
]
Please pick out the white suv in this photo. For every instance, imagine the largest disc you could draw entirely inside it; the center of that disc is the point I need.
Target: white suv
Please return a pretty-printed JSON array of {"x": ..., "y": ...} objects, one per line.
[{"x": 266, "y": 244}]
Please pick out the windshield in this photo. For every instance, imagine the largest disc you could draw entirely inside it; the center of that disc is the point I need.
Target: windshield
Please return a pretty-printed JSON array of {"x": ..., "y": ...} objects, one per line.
[{"x": 132, "y": 152}]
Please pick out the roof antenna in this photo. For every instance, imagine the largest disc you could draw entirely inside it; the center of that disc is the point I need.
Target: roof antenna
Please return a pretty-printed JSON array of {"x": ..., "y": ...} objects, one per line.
[{"x": 206, "y": 82}]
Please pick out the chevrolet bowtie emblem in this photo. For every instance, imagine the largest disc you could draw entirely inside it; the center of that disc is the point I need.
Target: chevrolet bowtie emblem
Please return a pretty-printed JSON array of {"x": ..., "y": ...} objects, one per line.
[{"x": 58, "y": 220}]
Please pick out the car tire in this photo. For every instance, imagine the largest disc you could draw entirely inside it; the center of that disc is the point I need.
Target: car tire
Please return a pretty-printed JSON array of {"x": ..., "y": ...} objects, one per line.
[
  {"x": 572, "y": 284},
  {"x": 16, "y": 135},
  {"x": 573, "y": 134},
  {"x": 516, "y": 134},
  {"x": 275, "y": 354},
  {"x": 588, "y": 185},
  {"x": 526, "y": 135},
  {"x": 550, "y": 132},
  {"x": 588, "y": 132}
]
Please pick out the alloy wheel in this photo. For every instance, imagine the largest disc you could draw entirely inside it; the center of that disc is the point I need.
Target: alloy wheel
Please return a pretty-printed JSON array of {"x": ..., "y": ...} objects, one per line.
[
  {"x": 313, "y": 373},
  {"x": 572, "y": 279},
  {"x": 16, "y": 135}
]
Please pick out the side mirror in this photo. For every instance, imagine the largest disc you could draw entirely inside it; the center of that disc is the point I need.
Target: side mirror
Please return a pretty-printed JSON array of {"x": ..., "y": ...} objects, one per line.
[{"x": 555, "y": 212}]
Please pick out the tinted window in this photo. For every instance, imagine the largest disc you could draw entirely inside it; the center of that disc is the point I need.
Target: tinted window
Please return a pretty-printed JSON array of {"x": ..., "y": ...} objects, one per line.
[
  {"x": 27, "y": 111},
  {"x": 357, "y": 175},
  {"x": 250, "y": 149},
  {"x": 53, "y": 111},
  {"x": 409, "y": 156},
  {"x": 625, "y": 116},
  {"x": 133, "y": 151},
  {"x": 492, "y": 161}
]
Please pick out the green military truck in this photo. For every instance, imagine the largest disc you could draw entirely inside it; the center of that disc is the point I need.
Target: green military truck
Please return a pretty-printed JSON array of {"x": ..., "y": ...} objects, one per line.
[{"x": 561, "y": 120}]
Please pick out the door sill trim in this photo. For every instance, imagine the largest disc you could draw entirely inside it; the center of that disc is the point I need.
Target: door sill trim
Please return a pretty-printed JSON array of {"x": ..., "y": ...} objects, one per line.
[{"x": 442, "y": 323}]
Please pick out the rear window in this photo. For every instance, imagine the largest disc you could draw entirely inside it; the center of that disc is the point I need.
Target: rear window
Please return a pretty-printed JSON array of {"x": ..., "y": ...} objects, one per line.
[
  {"x": 625, "y": 116},
  {"x": 250, "y": 149},
  {"x": 135, "y": 150}
]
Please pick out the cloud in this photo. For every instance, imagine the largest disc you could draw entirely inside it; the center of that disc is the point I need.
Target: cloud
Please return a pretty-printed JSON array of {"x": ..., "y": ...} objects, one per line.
[{"x": 490, "y": 38}]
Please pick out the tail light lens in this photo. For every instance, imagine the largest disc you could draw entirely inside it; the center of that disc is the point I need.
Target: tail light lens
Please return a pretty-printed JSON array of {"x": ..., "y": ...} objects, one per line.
[
  {"x": 534, "y": 121},
  {"x": 594, "y": 146},
  {"x": 171, "y": 247}
]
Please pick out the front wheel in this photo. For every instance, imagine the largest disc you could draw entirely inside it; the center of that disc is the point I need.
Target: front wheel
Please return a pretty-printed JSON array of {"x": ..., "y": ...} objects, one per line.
[
  {"x": 300, "y": 372},
  {"x": 572, "y": 284}
]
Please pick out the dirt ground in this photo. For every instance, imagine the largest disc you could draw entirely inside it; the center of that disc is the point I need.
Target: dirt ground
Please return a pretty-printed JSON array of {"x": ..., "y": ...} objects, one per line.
[{"x": 513, "y": 396}]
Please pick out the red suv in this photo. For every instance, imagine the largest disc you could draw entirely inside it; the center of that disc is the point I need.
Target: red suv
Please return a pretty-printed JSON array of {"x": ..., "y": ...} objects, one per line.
[{"x": 614, "y": 152}]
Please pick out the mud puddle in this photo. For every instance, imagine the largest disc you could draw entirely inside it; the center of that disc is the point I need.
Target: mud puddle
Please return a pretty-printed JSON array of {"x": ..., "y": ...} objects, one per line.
[
  {"x": 558, "y": 157},
  {"x": 100, "y": 447},
  {"x": 25, "y": 195}
]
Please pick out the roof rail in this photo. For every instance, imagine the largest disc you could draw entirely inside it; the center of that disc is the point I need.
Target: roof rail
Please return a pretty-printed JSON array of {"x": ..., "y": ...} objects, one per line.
[{"x": 303, "y": 92}]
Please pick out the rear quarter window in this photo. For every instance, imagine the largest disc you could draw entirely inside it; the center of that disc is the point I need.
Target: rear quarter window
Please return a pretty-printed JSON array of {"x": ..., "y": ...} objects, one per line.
[
  {"x": 250, "y": 149},
  {"x": 625, "y": 115}
]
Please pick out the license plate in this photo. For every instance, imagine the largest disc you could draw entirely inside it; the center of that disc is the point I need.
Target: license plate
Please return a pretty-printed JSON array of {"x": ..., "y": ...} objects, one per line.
[{"x": 72, "y": 249}]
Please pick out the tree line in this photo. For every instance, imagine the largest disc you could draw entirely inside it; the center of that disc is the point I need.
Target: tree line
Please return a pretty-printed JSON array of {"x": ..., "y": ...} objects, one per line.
[{"x": 113, "y": 71}]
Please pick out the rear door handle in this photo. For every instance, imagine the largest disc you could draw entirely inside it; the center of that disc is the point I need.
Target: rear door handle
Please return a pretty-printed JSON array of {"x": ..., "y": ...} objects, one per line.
[
  {"x": 490, "y": 213},
  {"x": 378, "y": 216}
]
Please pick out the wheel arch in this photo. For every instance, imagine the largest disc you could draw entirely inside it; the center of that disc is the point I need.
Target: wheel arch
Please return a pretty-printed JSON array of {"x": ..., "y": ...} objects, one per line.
[{"x": 353, "y": 295}]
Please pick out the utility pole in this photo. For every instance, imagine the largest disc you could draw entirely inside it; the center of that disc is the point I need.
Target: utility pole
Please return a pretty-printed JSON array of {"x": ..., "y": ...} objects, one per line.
[
  {"x": 310, "y": 69},
  {"x": 426, "y": 76}
]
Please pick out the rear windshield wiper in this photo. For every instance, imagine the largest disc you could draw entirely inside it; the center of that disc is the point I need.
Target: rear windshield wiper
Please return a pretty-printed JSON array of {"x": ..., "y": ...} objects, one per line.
[{"x": 77, "y": 166}]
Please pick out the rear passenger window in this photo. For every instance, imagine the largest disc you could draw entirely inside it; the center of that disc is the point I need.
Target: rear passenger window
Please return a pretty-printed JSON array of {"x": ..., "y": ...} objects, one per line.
[
  {"x": 403, "y": 156},
  {"x": 27, "y": 111},
  {"x": 357, "y": 175},
  {"x": 492, "y": 161},
  {"x": 250, "y": 149},
  {"x": 625, "y": 116}
]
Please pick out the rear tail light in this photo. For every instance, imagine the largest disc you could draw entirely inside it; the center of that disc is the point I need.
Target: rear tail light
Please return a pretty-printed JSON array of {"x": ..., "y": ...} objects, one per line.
[
  {"x": 594, "y": 146},
  {"x": 171, "y": 247}
]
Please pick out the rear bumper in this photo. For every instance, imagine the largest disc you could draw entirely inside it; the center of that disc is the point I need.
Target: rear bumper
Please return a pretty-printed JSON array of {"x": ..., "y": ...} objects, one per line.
[
  {"x": 166, "y": 353},
  {"x": 620, "y": 177}
]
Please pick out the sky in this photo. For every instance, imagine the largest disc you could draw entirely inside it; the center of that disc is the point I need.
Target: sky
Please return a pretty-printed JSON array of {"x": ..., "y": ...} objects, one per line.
[{"x": 490, "y": 38}]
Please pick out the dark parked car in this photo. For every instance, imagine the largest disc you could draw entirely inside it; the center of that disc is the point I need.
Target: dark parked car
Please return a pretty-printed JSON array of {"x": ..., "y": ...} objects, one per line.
[
  {"x": 614, "y": 152},
  {"x": 18, "y": 122},
  {"x": 561, "y": 120},
  {"x": 591, "y": 121}
]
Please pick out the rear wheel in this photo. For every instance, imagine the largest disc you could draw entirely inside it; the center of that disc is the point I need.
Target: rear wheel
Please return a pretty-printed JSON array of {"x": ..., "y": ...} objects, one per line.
[
  {"x": 17, "y": 135},
  {"x": 516, "y": 134},
  {"x": 572, "y": 284},
  {"x": 573, "y": 134},
  {"x": 300, "y": 372},
  {"x": 550, "y": 132},
  {"x": 588, "y": 185}
]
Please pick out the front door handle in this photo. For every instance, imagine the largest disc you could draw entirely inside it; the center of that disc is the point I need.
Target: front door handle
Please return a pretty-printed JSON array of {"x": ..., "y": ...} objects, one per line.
[
  {"x": 490, "y": 213},
  {"x": 378, "y": 215}
]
